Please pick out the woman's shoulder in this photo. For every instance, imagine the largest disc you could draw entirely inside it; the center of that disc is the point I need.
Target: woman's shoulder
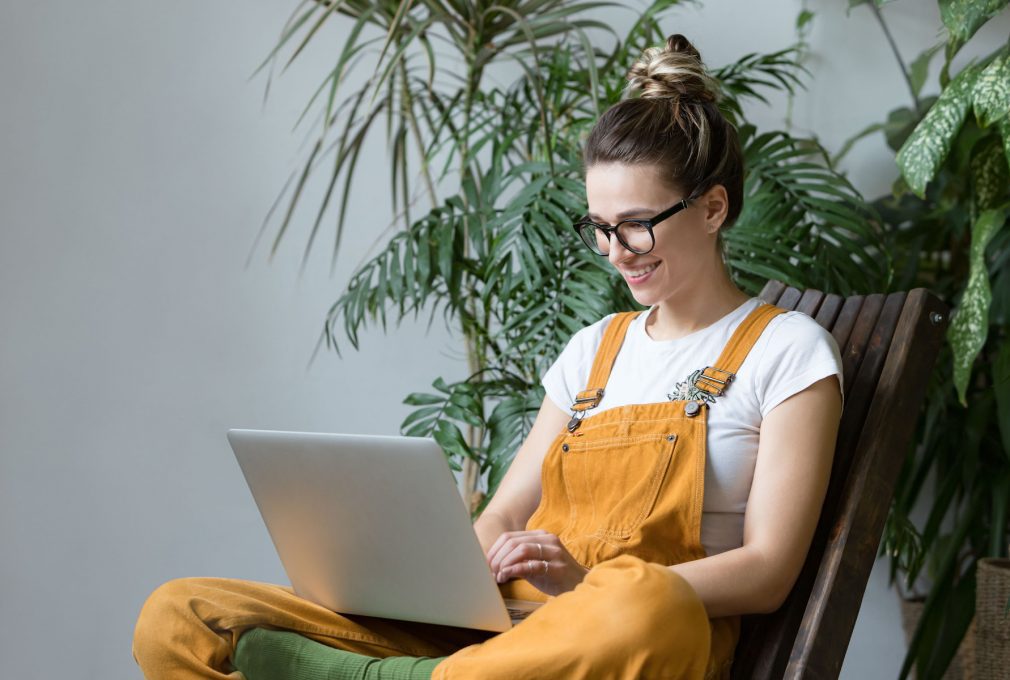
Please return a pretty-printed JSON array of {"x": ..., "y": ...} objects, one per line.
[
  {"x": 796, "y": 351},
  {"x": 796, "y": 330}
]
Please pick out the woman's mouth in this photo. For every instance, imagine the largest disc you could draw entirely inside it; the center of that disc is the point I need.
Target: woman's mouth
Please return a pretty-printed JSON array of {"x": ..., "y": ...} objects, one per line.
[{"x": 639, "y": 274}]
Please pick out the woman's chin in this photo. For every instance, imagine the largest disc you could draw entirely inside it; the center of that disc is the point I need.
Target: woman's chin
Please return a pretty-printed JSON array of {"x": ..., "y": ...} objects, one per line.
[{"x": 645, "y": 298}]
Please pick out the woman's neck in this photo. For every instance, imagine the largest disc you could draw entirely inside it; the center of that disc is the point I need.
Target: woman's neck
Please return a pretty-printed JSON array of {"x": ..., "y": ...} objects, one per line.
[{"x": 694, "y": 307}]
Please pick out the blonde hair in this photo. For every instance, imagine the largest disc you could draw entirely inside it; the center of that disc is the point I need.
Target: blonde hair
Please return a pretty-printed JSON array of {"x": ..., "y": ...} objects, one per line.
[{"x": 669, "y": 117}]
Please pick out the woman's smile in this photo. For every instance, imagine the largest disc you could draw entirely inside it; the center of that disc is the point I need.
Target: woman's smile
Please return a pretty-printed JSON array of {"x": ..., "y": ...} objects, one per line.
[{"x": 638, "y": 274}]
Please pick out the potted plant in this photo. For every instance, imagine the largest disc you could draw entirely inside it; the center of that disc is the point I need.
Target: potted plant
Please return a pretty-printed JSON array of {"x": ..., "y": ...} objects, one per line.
[{"x": 945, "y": 226}]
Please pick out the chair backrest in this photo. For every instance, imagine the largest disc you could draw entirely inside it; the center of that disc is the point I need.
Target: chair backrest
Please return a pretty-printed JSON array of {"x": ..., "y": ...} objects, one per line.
[{"x": 889, "y": 344}]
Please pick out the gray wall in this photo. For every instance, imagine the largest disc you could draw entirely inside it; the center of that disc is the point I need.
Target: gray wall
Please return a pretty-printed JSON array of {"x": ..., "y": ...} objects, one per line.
[{"x": 137, "y": 162}]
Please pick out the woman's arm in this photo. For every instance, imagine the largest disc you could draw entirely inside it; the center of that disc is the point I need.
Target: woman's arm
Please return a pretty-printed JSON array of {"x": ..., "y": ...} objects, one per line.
[
  {"x": 790, "y": 479},
  {"x": 519, "y": 491}
]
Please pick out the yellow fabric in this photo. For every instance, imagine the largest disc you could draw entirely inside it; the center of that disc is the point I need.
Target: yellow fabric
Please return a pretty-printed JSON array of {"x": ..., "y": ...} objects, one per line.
[
  {"x": 737, "y": 348},
  {"x": 623, "y": 491},
  {"x": 629, "y": 619},
  {"x": 188, "y": 628},
  {"x": 603, "y": 363}
]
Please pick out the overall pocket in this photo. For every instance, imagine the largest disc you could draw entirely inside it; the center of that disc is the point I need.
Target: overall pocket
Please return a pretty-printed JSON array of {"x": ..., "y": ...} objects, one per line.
[{"x": 613, "y": 483}]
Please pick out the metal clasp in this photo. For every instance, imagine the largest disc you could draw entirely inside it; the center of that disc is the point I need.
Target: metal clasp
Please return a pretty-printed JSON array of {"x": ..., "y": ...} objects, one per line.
[
  {"x": 576, "y": 420},
  {"x": 715, "y": 383}
]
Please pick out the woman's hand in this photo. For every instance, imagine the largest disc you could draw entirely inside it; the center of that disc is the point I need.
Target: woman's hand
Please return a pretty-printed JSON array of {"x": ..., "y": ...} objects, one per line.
[{"x": 537, "y": 556}]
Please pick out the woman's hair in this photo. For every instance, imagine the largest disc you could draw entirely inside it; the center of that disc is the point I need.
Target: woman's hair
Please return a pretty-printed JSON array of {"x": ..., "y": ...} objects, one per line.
[{"x": 675, "y": 124}]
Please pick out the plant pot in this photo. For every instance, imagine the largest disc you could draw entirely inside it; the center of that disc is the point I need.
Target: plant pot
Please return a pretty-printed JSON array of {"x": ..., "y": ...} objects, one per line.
[
  {"x": 962, "y": 667},
  {"x": 992, "y": 652}
]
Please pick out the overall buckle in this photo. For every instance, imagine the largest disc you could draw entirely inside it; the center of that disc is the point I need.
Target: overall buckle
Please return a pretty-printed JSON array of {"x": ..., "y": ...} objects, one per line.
[
  {"x": 714, "y": 385},
  {"x": 588, "y": 399},
  {"x": 584, "y": 401}
]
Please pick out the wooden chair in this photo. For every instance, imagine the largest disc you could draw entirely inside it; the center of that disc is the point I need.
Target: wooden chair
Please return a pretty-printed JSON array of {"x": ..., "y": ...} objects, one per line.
[{"x": 889, "y": 344}]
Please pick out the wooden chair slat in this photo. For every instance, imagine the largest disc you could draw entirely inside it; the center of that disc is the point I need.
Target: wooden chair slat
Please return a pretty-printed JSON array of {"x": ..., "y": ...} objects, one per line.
[
  {"x": 860, "y": 387},
  {"x": 860, "y": 393},
  {"x": 859, "y": 338},
  {"x": 810, "y": 302},
  {"x": 846, "y": 319},
  {"x": 772, "y": 291},
  {"x": 766, "y": 641},
  {"x": 828, "y": 312},
  {"x": 888, "y": 347},
  {"x": 789, "y": 298},
  {"x": 820, "y": 646}
]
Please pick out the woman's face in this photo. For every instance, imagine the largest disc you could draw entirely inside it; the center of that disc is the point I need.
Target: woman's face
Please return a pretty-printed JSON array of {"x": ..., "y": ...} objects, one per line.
[{"x": 685, "y": 249}]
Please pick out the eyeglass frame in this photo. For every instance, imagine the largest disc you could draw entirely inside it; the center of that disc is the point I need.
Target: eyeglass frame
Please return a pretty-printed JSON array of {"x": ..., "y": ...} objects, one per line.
[{"x": 649, "y": 225}]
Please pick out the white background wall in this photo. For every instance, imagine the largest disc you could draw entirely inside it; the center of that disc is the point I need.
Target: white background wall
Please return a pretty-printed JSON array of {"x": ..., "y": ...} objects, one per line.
[{"x": 136, "y": 163}]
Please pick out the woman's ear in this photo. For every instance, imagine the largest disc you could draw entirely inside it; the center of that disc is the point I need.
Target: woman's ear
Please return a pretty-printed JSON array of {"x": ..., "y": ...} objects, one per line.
[{"x": 715, "y": 203}]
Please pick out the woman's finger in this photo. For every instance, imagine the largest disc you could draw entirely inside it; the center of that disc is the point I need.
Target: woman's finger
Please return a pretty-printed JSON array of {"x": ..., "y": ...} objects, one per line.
[
  {"x": 528, "y": 569},
  {"x": 524, "y": 550},
  {"x": 506, "y": 543},
  {"x": 506, "y": 535}
]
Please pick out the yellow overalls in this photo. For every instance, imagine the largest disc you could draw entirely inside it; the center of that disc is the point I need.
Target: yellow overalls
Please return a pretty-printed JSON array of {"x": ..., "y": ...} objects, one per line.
[{"x": 622, "y": 489}]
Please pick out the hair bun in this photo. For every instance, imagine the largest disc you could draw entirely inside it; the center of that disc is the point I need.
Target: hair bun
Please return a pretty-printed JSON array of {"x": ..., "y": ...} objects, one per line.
[{"x": 674, "y": 71}]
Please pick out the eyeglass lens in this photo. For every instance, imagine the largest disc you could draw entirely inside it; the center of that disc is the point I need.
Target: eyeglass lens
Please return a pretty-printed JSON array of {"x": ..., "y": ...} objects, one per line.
[{"x": 633, "y": 236}]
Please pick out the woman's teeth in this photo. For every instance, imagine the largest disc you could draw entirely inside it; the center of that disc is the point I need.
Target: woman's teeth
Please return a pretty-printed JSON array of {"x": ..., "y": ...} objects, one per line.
[{"x": 636, "y": 273}]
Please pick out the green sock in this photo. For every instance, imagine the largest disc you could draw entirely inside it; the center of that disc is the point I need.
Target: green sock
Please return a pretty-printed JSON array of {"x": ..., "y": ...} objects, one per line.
[{"x": 263, "y": 654}]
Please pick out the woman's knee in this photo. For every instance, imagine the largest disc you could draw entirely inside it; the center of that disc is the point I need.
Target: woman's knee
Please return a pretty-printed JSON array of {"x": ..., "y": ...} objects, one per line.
[
  {"x": 646, "y": 604},
  {"x": 163, "y": 611}
]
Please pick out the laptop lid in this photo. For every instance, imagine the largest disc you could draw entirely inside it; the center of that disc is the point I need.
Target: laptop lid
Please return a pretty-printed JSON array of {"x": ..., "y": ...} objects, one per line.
[{"x": 371, "y": 525}]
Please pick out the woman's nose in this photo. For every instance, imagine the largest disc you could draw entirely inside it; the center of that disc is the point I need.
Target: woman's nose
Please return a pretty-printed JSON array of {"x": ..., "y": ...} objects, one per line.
[{"x": 618, "y": 253}]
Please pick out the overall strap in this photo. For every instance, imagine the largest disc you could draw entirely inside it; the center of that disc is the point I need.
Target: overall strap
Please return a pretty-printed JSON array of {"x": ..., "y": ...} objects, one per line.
[
  {"x": 715, "y": 379},
  {"x": 606, "y": 354}
]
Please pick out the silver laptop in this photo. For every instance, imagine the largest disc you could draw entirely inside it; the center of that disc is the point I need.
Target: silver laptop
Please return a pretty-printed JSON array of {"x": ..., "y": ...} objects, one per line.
[{"x": 373, "y": 525}]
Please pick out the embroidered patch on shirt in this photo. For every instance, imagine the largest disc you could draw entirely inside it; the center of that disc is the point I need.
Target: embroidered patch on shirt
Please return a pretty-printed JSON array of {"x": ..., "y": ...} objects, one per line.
[{"x": 687, "y": 390}]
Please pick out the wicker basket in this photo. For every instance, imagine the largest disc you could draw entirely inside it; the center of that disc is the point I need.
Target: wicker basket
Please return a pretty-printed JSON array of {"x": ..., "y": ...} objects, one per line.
[
  {"x": 962, "y": 667},
  {"x": 992, "y": 651}
]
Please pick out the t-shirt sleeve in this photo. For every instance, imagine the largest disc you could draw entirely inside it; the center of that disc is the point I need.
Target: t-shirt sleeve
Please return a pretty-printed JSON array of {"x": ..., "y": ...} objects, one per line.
[
  {"x": 798, "y": 354},
  {"x": 568, "y": 374}
]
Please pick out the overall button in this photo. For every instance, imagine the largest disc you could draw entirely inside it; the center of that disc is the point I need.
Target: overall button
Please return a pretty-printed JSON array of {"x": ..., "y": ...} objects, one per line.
[
  {"x": 564, "y": 447},
  {"x": 670, "y": 437},
  {"x": 692, "y": 408}
]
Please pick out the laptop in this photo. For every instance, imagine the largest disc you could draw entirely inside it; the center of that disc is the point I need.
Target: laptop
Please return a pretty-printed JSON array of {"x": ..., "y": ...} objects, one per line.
[{"x": 373, "y": 525}]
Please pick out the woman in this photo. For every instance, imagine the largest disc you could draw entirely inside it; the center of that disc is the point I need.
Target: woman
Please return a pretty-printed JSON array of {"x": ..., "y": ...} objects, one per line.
[{"x": 672, "y": 479}]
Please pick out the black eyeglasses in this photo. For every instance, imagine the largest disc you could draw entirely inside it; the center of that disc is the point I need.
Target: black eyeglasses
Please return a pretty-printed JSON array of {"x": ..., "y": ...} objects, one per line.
[{"x": 634, "y": 234}]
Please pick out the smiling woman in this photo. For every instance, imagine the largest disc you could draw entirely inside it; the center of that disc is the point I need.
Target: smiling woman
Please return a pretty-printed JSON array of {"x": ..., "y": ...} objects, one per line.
[
  {"x": 669, "y": 144},
  {"x": 670, "y": 483}
]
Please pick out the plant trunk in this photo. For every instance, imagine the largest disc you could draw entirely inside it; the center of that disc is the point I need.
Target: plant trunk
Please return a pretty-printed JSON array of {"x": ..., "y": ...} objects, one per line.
[{"x": 471, "y": 469}]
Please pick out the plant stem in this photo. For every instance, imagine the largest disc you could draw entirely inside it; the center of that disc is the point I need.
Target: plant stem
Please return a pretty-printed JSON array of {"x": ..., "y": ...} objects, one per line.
[
  {"x": 897, "y": 55},
  {"x": 474, "y": 355}
]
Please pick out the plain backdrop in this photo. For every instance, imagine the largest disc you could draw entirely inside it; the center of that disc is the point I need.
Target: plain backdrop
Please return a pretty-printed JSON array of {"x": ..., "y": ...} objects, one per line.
[{"x": 137, "y": 161}]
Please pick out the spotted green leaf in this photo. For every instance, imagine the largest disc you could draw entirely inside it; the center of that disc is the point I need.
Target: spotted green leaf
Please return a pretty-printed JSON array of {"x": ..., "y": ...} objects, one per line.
[
  {"x": 989, "y": 178},
  {"x": 991, "y": 92},
  {"x": 970, "y": 326},
  {"x": 922, "y": 154},
  {"x": 963, "y": 17}
]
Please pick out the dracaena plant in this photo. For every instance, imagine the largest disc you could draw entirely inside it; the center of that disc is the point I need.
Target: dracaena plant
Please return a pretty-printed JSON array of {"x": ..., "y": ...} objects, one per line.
[
  {"x": 494, "y": 253},
  {"x": 946, "y": 225}
]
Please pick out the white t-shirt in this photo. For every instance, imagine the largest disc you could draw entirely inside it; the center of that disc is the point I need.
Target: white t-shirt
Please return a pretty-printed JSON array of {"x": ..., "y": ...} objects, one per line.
[{"x": 792, "y": 353}]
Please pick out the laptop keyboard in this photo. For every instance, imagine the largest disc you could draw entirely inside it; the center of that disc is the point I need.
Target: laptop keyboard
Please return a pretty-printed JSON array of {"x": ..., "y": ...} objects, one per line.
[{"x": 519, "y": 614}]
